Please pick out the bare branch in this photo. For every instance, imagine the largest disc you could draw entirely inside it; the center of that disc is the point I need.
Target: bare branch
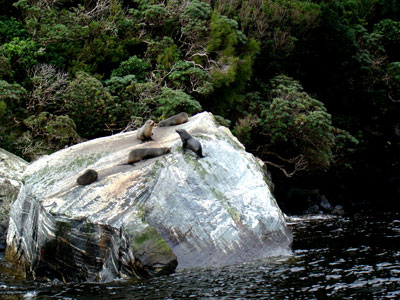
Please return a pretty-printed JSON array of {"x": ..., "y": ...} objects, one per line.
[
  {"x": 394, "y": 100},
  {"x": 100, "y": 8},
  {"x": 299, "y": 162},
  {"x": 288, "y": 175},
  {"x": 49, "y": 85}
]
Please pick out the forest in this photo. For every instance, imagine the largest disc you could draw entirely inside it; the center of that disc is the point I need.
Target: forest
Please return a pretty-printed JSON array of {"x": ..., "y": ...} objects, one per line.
[{"x": 310, "y": 87}]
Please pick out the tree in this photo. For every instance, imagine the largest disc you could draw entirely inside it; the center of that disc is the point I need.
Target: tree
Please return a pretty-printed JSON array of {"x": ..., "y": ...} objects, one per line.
[
  {"x": 86, "y": 102},
  {"x": 295, "y": 130},
  {"x": 46, "y": 134}
]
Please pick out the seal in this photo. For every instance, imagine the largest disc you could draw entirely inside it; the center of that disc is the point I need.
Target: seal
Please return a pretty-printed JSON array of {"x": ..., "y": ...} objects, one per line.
[
  {"x": 189, "y": 142},
  {"x": 88, "y": 177},
  {"x": 174, "y": 120},
  {"x": 143, "y": 153},
  {"x": 144, "y": 133}
]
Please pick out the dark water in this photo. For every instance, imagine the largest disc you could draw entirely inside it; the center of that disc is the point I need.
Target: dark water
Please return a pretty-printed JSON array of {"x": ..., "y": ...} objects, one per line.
[{"x": 334, "y": 258}]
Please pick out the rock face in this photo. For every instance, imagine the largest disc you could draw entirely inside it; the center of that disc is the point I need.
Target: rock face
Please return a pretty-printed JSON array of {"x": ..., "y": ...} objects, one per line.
[
  {"x": 148, "y": 218},
  {"x": 11, "y": 170}
]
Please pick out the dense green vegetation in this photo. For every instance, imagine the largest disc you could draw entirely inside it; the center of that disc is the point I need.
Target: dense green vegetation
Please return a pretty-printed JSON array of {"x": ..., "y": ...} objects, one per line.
[{"x": 311, "y": 87}]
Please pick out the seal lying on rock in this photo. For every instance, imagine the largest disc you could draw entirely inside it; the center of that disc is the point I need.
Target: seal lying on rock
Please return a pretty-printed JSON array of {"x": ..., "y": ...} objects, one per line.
[
  {"x": 189, "y": 142},
  {"x": 88, "y": 177},
  {"x": 144, "y": 133},
  {"x": 143, "y": 153},
  {"x": 175, "y": 120}
]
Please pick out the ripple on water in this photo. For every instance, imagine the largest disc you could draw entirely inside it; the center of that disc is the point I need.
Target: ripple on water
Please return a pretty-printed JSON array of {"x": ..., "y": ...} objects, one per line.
[{"x": 336, "y": 258}]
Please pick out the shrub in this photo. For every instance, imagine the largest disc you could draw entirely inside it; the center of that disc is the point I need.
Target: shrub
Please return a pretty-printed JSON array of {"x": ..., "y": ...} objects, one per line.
[
  {"x": 49, "y": 85},
  {"x": 194, "y": 20},
  {"x": 46, "y": 133},
  {"x": 87, "y": 101},
  {"x": 298, "y": 126},
  {"x": 13, "y": 95},
  {"x": 171, "y": 102},
  {"x": 133, "y": 66}
]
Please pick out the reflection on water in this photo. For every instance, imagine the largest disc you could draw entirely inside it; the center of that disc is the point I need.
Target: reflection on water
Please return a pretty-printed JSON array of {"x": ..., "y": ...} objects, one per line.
[{"x": 335, "y": 258}]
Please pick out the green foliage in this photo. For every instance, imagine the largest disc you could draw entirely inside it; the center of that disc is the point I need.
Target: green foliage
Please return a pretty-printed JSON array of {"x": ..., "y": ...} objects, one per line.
[
  {"x": 243, "y": 128},
  {"x": 388, "y": 8},
  {"x": 21, "y": 54},
  {"x": 191, "y": 77},
  {"x": 155, "y": 14},
  {"x": 98, "y": 55},
  {"x": 389, "y": 32},
  {"x": 87, "y": 101},
  {"x": 345, "y": 145},
  {"x": 222, "y": 121},
  {"x": 175, "y": 101},
  {"x": 277, "y": 23},
  {"x": 235, "y": 56},
  {"x": 12, "y": 94},
  {"x": 59, "y": 129},
  {"x": 120, "y": 86},
  {"x": 158, "y": 58},
  {"x": 393, "y": 79},
  {"x": 133, "y": 101},
  {"x": 194, "y": 20},
  {"x": 3, "y": 107},
  {"x": 224, "y": 35},
  {"x": 10, "y": 29},
  {"x": 45, "y": 134},
  {"x": 298, "y": 122},
  {"x": 5, "y": 68},
  {"x": 168, "y": 53},
  {"x": 133, "y": 66},
  {"x": 73, "y": 36},
  {"x": 369, "y": 57}
]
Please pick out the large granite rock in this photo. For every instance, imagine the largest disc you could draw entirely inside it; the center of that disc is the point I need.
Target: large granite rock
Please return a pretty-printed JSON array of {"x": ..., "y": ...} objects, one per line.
[
  {"x": 11, "y": 170},
  {"x": 145, "y": 219}
]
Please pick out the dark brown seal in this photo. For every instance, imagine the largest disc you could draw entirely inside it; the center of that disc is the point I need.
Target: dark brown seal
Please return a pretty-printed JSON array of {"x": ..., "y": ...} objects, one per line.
[
  {"x": 175, "y": 120},
  {"x": 144, "y": 133},
  {"x": 189, "y": 142},
  {"x": 144, "y": 153},
  {"x": 88, "y": 177}
]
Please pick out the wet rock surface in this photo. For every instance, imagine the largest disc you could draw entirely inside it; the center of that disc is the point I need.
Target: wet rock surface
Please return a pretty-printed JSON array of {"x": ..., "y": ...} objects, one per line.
[
  {"x": 149, "y": 218},
  {"x": 11, "y": 170}
]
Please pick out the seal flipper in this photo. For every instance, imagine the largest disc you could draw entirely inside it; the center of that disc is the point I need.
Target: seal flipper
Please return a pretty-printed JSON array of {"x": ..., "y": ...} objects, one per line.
[{"x": 199, "y": 153}]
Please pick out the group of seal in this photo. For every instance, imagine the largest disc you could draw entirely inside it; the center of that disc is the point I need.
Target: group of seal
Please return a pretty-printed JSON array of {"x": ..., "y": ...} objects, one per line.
[
  {"x": 144, "y": 133},
  {"x": 188, "y": 142}
]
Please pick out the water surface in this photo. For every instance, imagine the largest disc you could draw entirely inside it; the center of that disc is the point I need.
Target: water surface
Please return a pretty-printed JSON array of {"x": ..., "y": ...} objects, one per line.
[{"x": 333, "y": 258}]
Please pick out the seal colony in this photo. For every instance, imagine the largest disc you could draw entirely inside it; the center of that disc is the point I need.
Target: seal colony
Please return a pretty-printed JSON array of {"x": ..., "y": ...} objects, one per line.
[{"x": 144, "y": 134}]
